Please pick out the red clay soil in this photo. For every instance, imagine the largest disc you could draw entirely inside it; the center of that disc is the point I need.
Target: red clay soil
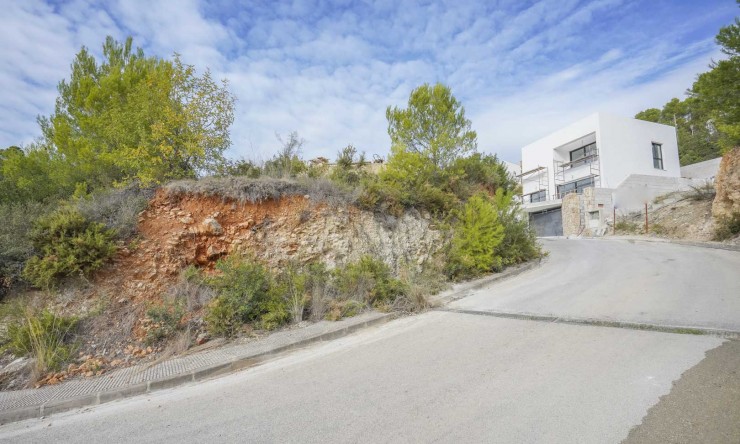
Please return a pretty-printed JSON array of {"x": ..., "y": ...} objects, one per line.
[{"x": 174, "y": 232}]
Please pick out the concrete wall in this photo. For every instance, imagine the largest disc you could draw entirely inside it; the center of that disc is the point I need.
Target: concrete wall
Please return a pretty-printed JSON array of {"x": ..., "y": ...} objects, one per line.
[
  {"x": 637, "y": 190},
  {"x": 702, "y": 170}
]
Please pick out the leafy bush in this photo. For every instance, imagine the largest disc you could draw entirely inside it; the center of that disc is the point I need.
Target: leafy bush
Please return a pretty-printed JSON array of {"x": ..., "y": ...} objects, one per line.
[
  {"x": 480, "y": 172},
  {"x": 410, "y": 180},
  {"x": 368, "y": 280},
  {"x": 243, "y": 295},
  {"x": 519, "y": 243},
  {"x": 727, "y": 227},
  {"x": 116, "y": 208},
  {"x": 349, "y": 169},
  {"x": 163, "y": 321},
  {"x": 44, "y": 336},
  {"x": 477, "y": 233},
  {"x": 15, "y": 245},
  {"x": 69, "y": 244}
]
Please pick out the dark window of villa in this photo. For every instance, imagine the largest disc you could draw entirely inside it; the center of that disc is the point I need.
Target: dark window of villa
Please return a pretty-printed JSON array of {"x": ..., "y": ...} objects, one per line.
[
  {"x": 583, "y": 152},
  {"x": 576, "y": 186},
  {"x": 538, "y": 196},
  {"x": 658, "y": 156}
]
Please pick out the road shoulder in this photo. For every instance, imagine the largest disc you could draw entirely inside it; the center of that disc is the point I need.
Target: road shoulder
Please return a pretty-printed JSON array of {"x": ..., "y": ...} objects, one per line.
[{"x": 702, "y": 406}]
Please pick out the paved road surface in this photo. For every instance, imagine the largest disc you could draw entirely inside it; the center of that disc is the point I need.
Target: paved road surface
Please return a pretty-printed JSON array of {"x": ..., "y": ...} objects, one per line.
[
  {"x": 440, "y": 377},
  {"x": 651, "y": 282}
]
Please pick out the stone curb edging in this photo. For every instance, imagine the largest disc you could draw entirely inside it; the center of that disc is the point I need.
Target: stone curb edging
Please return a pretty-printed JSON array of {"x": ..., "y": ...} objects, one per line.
[
  {"x": 460, "y": 293},
  {"x": 690, "y": 330},
  {"x": 712, "y": 245},
  {"x": 58, "y": 406}
]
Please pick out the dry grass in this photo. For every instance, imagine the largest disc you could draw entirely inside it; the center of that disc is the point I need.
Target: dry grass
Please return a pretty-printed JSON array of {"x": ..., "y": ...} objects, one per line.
[
  {"x": 702, "y": 192},
  {"x": 116, "y": 208},
  {"x": 421, "y": 283},
  {"x": 244, "y": 189},
  {"x": 44, "y": 336}
]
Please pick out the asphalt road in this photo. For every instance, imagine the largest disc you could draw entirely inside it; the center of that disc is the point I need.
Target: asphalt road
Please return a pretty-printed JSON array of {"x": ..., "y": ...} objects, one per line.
[
  {"x": 651, "y": 282},
  {"x": 438, "y": 377}
]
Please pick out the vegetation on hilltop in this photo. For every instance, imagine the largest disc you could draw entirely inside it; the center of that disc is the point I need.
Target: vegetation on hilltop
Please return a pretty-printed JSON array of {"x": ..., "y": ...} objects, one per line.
[
  {"x": 130, "y": 123},
  {"x": 708, "y": 121}
]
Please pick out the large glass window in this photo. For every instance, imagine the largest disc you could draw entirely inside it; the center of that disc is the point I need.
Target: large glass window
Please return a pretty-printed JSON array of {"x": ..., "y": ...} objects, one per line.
[
  {"x": 538, "y": 196},
  {"x": 577, "y": 186},
  {"x": 658, "y": 156},
  {"x": 583, "y": 153}
]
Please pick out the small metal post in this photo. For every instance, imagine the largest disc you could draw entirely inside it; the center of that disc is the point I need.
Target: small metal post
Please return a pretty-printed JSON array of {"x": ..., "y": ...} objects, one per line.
[
  {"x": 646, "y": 219},
  {"x": 614, "y": 220}
]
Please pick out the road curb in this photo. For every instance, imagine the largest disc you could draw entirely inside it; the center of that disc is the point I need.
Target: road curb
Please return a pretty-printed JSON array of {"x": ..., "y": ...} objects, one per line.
[
  {"x": 459, "y": 293},
  {"x": 676, "y": 329},
  {"x": 62, "y": 405},
  {"x": 712, "y": 245}
]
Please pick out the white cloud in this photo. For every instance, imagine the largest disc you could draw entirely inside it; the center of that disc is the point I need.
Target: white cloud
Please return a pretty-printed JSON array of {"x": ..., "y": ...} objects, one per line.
[{"x": 330, "y": 72}]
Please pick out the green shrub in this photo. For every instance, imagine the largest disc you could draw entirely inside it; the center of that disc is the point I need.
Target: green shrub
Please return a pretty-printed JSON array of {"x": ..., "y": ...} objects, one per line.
[
  {"x": 480, "y": 172},
  {"x": 163, "y": 321},
  {"x": 727, "y": 227},
  {"x": 244, "y": 295},
  {"x": 43, "y": 336},
  {"x": 519, "y": 243},
  {"x": 349, "y": 169},
  {"x": 116, "y": 208},
  {"x": 68, "y": 244},
  {"x": 291, "y": 285},
  {"x": 410, "y": 180},
  {"x": 368, "y": 280},
  {"x": 15, "y": 245},
  {"x": 476, "y": 234}
]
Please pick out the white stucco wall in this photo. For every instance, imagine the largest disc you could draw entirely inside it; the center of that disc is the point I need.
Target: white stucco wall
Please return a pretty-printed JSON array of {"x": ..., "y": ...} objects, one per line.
[
  {"x": 624, "y": 145},
  {"x": 702, "y": 170},
  {"x": 541, "y": 152},
  {"x": 626, "y": 148}
]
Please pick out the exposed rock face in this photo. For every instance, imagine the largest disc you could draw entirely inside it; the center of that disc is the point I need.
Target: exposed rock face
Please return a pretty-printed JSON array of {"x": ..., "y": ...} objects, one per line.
[
  {"x": 727, "y": 183},
  {"x": 180, "y": 230}
]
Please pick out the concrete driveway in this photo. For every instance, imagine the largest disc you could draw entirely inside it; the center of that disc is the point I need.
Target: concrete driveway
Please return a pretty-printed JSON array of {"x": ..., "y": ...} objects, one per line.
[{"x": 618, "y": 280}]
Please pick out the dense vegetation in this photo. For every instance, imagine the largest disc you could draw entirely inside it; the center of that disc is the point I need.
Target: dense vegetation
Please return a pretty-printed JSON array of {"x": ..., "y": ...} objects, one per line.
[
  {"x": 708, "y": 121},
  {"x": 130, "y": 123}
]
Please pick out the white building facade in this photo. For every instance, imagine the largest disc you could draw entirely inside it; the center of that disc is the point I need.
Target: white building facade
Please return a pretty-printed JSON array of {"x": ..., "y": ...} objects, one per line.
[{"x": 603, "y": 152}]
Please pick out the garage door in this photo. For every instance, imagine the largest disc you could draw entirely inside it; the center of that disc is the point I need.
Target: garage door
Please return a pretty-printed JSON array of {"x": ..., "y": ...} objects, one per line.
[{"x": 547, "y": 223}]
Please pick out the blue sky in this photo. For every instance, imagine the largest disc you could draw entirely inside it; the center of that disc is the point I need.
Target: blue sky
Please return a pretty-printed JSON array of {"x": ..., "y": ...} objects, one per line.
[{"x": 328, "y": 70}]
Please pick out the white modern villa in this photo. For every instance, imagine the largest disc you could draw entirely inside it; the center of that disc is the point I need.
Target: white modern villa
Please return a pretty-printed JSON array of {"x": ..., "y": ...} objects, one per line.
[{"x": 624, "y": 162}]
